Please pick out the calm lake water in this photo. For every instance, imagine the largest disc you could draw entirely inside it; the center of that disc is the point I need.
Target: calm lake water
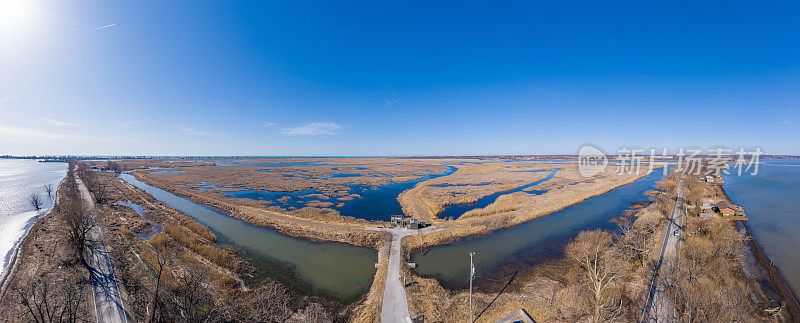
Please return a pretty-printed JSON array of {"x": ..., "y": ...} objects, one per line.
[
  {"x": 18, "y": 179},
  {"x": 772, "y": 202},
  {"x": 500, "y": 253},
  {"x": 330, "y": 269}
]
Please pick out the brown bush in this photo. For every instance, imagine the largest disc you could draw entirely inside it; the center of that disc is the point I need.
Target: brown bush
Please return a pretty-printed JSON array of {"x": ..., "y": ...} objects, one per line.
[
  {"x": 201, "y": 230},
  {"x": 159, "y": 240}
]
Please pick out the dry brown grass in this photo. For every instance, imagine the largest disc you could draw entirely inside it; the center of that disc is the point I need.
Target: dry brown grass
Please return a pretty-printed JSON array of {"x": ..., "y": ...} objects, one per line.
[
  {"x": 159, "y": 240},
  {"x": 465, "y": 186},
  {"x": 505, "y": 203},
  {"x": 183, "y": 235},
  {"x": 529, "y": 207},
  {"x": 314, "y": 226},
  {"x": 45, "y": 255},
  {"x": 552, "y": 292}
]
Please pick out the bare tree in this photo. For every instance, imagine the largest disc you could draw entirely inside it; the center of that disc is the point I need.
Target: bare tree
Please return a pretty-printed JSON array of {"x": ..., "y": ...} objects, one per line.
[
  {"x": 35, "y": 201},
  {"x": 114, "y": 167},
  {"x": 43, "y": 306},
  {"x": 158, "y": 267},
  {"x": 89, "y": 177},
  {"x": 101, "y": 195},
  {"x": 315, "y": 313},
  {"x": 632, "y": 242},
  {"x": 270, "y": 303},
  {"x": 593, "y": 252},
  {"x": 78, "y": 218},
  {"x": 49, "y": 189},
  {"x": 193, "y": 297}
]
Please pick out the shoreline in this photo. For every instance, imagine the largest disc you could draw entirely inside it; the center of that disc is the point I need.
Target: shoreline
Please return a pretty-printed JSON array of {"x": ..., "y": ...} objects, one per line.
[
  {"x": 12, "y": 264},
  {"x": 776, "y": 278}
]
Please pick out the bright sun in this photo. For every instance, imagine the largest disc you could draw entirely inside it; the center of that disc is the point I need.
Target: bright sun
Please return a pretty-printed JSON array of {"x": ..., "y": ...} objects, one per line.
[{"x": 16, "y": 17}]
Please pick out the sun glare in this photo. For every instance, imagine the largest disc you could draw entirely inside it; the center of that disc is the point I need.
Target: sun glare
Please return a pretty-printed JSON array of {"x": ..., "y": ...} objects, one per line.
[{"x": 16, "y": 17}]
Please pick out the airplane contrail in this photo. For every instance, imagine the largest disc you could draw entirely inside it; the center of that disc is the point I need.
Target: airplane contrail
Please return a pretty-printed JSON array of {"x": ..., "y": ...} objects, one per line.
[{"x": 106, "y": 26}]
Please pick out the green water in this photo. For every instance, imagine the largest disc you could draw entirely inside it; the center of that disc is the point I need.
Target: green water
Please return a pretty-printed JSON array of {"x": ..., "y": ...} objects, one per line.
[{"x": 330, "y": 269}]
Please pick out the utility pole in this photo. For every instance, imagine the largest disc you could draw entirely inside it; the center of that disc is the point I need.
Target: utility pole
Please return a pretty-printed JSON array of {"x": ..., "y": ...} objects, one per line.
[{"x": 471, "y": 275}]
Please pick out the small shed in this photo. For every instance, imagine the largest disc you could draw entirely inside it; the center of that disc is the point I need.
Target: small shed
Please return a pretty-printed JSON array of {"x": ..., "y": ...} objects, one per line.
[
  {"x": 728, "y": 209},
  {"x": 413, "y": 224},
  {"x": 397, "y": 220},
  {"x": 707, "y": 206}
]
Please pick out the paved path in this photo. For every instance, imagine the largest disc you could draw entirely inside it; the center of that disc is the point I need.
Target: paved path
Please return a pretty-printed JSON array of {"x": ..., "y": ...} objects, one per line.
[
  {"x": 108, "y": 305},
  {"x": 395, "y": 304},
  {"x": 658, "y": 307}
]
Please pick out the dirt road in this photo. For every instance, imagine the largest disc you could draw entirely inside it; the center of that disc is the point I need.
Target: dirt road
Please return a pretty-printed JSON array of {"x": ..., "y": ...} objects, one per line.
[
  {"x": 108, "y": 304},
  {"x": 658, "y": 307}
]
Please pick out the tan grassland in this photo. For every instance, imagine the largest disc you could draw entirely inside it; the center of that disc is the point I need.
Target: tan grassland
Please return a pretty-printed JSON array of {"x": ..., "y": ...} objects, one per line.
[
  {"x": 425, "y": 201},
  {"x": 324, "y": 224},
  {"x": 565, "y": 189},
  {"x": 557, "y": 291},
  {"x": 186, "y": 244},
  {"x": 189, "y": 247},
  {"x": 314, "y": 226},
  {"x": 547, "y": 292},
  {"x": 372, "y": 172}
]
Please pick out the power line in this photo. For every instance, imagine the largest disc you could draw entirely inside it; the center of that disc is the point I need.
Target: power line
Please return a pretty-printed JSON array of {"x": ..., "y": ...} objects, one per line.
[{"x": 471, "y": 275}]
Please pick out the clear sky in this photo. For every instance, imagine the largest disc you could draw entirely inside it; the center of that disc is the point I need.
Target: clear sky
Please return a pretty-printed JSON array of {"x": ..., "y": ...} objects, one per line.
[{"x": 396, "y": 77}]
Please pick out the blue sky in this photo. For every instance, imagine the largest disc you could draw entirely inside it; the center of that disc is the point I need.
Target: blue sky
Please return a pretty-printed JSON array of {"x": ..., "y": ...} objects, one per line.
[{"x": 396, "y": 78}]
